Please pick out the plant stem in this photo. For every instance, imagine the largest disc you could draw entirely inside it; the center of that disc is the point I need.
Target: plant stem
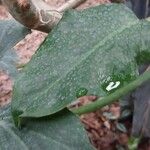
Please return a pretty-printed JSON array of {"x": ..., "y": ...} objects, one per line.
[
  {"x": 36, "y": 14},
  {"x": 33, "y": 13},
  {"x": 70, "y": 4},
  {"x": 114, "y": 96}
]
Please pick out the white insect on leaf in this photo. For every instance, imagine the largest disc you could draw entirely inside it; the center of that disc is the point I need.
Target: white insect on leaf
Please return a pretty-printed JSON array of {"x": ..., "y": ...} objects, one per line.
[{"x": 112, "y": 85}]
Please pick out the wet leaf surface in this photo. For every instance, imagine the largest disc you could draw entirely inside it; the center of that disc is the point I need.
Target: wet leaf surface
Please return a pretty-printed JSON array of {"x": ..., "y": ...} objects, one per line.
[{"x": 96, "y": 49}]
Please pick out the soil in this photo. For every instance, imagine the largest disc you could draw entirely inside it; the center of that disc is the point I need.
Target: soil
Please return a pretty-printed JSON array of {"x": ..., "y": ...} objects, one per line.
[{"x": 103, "y": 132}]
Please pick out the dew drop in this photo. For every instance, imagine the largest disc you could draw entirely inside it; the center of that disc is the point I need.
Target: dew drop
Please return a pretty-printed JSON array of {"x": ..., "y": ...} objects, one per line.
[{"x": 81, "y": 92}]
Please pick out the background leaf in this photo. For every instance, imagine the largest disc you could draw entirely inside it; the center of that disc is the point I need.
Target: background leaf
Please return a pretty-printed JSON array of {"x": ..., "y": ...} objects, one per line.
[
  {"x": 8, "y": 61},
  {"x": 61, "y": 131},
  {"x": 95, "y": 49},
  {"x": 11, "y": 33}
]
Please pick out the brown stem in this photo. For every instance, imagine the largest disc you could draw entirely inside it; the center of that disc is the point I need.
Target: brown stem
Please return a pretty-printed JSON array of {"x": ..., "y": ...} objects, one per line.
[
  {"x": 70, "y": 4},
  {"x": 34, "y": 14}
]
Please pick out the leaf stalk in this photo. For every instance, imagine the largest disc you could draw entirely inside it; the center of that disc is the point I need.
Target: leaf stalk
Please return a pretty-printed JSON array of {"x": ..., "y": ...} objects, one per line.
[{"x": 114, "y": 96}]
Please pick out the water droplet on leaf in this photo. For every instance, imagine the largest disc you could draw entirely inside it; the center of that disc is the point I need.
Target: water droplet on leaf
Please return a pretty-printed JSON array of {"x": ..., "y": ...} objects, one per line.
[{"x": 81, "y": 92}]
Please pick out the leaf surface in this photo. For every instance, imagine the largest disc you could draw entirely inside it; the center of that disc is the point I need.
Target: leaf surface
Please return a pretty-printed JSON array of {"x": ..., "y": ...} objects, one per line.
[
  {"x": 59, "y": 132},
  {"x": 90, "y": 52},
  {"x": 11, "y": 32}
]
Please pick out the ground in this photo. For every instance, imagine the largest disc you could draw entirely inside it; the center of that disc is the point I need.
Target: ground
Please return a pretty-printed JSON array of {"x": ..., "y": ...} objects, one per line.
[{"x": 103, "y": 132}]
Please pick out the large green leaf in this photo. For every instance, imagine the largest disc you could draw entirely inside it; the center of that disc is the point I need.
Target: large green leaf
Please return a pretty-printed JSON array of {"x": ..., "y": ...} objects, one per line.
[
  {"x": 11, "y": 32},
  {"x": 60, "y": 132},
  {"x": 94, "y": 51}
]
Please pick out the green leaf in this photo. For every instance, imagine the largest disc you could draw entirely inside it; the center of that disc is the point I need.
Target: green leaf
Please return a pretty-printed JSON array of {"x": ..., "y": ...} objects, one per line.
[
  {"x": 8, "y": 61},
  {"x": 62, "y": 131},
  {"x": 11, "y": 33},
  {"x": 133, "y": 143},
  {"x": 95, "y": 49}
]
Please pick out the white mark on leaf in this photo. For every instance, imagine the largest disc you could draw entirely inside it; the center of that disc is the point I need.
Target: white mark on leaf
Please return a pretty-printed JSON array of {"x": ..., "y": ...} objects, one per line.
[{"x": 112, "y": 85}]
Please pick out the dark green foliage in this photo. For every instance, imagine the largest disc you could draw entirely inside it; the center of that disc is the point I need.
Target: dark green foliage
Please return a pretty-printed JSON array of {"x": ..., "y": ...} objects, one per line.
[
  {"x": 57, "y": 132},
  {"x": 95, "y": 49}
]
